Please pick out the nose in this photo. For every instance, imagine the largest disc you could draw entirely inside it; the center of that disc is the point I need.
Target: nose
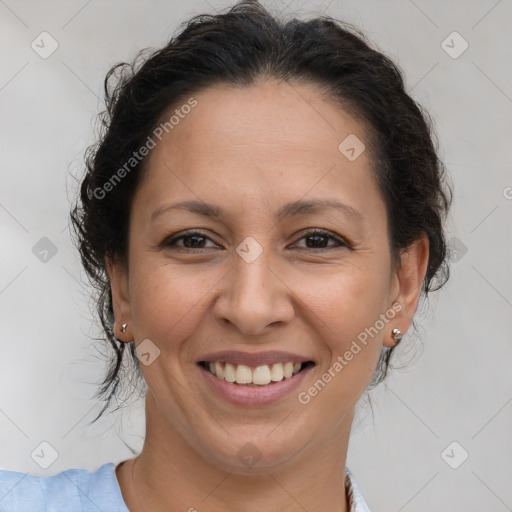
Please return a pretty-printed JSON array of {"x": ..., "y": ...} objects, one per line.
[{"x": 254, "y": 296}]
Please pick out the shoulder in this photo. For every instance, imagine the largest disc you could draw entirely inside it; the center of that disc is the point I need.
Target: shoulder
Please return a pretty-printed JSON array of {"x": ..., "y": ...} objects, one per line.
[{"x": 71, "y": 490}]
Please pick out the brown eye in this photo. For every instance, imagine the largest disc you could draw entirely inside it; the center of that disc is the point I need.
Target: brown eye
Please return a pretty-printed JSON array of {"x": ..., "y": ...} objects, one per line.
[
  {"x": 318, "y": 238},
  {"x": 191, "y": 240}
]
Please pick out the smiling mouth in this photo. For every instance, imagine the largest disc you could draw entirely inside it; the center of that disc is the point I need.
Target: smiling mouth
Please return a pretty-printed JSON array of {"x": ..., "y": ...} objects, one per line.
[{"x": 261, "y": 375}]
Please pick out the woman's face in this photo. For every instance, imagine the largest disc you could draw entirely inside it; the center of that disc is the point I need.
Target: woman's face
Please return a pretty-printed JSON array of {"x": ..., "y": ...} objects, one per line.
[{"x": 254, "y": 282}]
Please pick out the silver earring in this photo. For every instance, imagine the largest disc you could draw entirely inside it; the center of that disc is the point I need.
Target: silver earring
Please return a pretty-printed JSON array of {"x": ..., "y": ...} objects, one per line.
[
  {"x": 397, "y": 335},
  {"x": 123, "y": 328}
]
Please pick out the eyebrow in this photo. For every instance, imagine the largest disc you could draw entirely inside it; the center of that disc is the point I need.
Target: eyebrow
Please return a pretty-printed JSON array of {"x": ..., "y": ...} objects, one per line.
[{"x": 289, "y": 209}]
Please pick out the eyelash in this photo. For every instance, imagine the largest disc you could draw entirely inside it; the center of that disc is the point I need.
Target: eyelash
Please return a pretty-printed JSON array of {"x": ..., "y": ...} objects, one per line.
[{"x": 314, "y": 232}]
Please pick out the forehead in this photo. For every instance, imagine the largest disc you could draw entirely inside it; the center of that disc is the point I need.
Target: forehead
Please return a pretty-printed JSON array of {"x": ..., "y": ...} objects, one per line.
[
  {"x": 271, "y": 116},
  {"x": 273, "y": 140}
]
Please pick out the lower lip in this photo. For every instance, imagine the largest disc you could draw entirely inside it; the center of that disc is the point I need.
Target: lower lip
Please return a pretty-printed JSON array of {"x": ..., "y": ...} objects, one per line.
[{"x": 240, "y": 394}]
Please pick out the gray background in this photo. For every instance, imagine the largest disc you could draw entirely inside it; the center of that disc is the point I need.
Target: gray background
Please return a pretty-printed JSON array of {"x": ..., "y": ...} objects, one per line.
[{"x": 457, "y": 382}]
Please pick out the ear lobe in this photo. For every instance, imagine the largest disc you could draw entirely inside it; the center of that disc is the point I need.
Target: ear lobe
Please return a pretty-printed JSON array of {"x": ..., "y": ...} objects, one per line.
[
  {"x": 118, "y": 277},
  {"x": 409, "y": 278}
]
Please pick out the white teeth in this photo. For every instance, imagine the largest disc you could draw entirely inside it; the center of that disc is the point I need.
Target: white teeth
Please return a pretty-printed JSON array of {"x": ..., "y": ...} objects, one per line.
[
  {"x": 229, "y": 372},
  {"x": 243, "y": 374},
  {"x": 288, "y": 370},
  {"x": 261, "y": 375},
  {"x": 277, "y": 372},
  {"x": 219, "y": 370}
]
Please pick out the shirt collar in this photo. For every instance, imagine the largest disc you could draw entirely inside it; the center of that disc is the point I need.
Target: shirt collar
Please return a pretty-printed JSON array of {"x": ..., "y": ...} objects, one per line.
[{"x": 356, "y": 502}]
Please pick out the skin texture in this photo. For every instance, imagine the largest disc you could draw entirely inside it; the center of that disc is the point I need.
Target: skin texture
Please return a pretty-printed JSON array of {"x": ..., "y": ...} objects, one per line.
[{"x": 250, "y": 151}]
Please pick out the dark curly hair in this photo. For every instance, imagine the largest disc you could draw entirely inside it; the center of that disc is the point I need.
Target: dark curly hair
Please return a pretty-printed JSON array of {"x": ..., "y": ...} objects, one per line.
[{"x": 238, "y": 47}]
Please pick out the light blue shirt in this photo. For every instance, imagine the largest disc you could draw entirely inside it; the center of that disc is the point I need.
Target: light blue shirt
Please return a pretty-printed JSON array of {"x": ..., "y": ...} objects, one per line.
[{"x": 79, "y": 490}]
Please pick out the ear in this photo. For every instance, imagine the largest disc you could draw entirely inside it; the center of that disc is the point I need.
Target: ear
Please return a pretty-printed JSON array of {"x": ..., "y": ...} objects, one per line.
[
  {"x": 409, "y": 281},
  {"x": 118, "y": 276}
]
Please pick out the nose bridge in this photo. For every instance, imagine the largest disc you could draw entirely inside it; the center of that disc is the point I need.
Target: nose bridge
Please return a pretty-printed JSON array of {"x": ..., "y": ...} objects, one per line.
[
  {"x": 255, "y": 297},
  {"x": 252, "y": 280},
  {"x": 252, "y": 268}
]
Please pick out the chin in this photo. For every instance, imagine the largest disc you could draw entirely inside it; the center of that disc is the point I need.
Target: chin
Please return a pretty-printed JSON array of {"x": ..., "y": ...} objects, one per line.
[{"x": 253, "y": 451}]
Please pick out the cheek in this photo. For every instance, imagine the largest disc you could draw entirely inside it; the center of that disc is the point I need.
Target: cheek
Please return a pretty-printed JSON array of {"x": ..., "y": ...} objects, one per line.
[
  {"x": 343, "y": 310},
  {"x": 347, "y": 300},
  {"x": 166, "y": 301}
]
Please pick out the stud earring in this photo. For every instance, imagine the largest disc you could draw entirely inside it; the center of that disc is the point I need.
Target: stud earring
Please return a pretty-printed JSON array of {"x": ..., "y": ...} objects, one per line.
[
  {"x": 123, "y": 328},
  {"x": 397, "y": 335}
]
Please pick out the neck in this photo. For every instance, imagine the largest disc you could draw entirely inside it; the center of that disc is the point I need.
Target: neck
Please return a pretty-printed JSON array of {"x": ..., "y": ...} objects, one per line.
[{"x": 170, "y": 474}]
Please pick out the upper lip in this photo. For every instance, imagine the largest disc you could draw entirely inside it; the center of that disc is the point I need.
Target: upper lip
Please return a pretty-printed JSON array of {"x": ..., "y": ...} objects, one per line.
[{"x": 255, "y": 358}]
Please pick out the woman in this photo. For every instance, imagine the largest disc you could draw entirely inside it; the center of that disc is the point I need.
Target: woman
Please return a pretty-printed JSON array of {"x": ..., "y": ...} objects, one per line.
[{"x": 261, "y": 216}]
